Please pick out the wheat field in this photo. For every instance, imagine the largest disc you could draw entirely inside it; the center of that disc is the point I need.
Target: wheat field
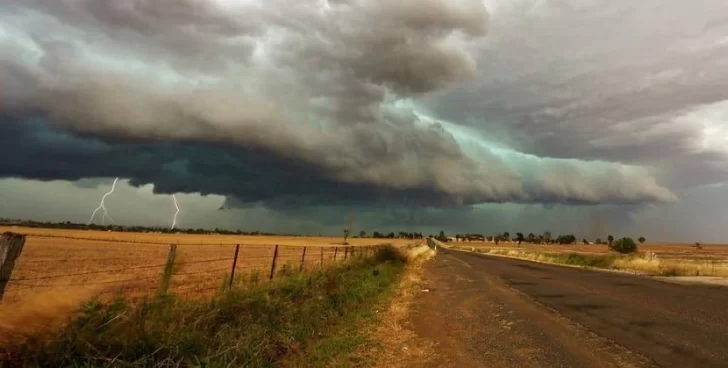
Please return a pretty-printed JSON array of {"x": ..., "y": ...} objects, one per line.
[{"x": 59, "y": 263}]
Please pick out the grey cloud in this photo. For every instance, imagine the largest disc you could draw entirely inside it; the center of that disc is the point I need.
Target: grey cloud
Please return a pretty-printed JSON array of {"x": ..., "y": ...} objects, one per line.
[
  {"x": 617, "y": 81},
  {"x": 331, "y": 91}
]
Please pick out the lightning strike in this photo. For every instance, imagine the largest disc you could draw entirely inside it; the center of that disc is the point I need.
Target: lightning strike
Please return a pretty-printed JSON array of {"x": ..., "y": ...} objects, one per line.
[
  {"x": 102, "y": 206},
  {"x": 174, "y": 219}
]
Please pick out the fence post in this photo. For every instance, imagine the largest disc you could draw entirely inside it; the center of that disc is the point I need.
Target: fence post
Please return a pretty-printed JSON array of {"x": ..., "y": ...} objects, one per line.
[
  {"x": 273, "y": 264},
  {"x": 336, "y": 250},
  {"x": 235, "y": 263},
  {"x": 168, "y": 268},
  {"x": 11, "y": 245},
  {"x": 303, "y": 260},
  {"x": 346, "y": 252},
  {"x": 322, "y": 257}
]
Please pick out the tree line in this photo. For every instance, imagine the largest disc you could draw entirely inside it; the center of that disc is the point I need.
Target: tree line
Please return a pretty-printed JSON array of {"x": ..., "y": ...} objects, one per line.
[{"x": 544, "y": 238}]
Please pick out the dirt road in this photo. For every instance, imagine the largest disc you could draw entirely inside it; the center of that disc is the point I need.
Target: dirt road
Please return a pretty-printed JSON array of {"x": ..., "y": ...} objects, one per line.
[{"x": 486, "y": 311}]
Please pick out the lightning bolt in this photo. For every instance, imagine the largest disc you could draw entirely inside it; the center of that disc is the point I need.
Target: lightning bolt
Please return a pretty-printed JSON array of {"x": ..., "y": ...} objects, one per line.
[
  {"x": 174, "y": 219},
  {"x": 102, "y": 205}
]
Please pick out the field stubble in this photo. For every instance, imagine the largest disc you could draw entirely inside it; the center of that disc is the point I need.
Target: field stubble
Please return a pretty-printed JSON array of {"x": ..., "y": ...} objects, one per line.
[{"x": 58, "y": 269}]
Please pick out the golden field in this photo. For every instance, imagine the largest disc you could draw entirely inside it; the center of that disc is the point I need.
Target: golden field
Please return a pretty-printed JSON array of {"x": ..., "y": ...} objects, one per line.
[
  {"x": 57, "y": 263},
  {"x": 677, "y": 250},
  {"x": 670, "y": 259}
]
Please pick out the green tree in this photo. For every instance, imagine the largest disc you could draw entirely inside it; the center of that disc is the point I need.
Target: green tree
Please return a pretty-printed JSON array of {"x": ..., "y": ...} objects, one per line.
[
  {"x": 624, "y": 245},
  {"x": 547, "y": 237},
  {"x": 610, "y": 240},
  {"x": 642, "y": 240},
  {"x": 506, "y": 236},
  {"x": 531, "y": 238},
  {"x": 362, "y": 234}
]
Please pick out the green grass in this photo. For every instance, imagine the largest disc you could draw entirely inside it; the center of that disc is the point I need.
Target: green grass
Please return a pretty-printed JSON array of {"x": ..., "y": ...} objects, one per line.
[
  {"x": 302, "y": 319},
  {"x": 587, "y": 260}
]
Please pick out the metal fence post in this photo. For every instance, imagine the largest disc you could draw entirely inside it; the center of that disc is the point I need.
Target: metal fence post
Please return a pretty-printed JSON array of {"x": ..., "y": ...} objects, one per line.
[
  {"x": 235, "y": 263},
  {"x": 11, "y": 245},
  {"x": 273, "y": 264},
  {"x": 303, "y": 260}
]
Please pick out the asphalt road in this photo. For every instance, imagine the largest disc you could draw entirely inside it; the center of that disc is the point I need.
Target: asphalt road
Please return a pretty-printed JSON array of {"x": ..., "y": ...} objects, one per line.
[{"x": 485, "y": 311}]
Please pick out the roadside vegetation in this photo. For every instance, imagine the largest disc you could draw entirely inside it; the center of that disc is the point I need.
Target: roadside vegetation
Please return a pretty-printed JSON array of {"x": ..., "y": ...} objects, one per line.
[
  {"x": 633, "y": 261},
  {"x": 300, "y": 319}
]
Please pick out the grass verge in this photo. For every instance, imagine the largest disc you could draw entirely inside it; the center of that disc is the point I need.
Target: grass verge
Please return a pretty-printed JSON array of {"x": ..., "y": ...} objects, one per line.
[
  {"x": 634, "y": 262},
  {"x": 301, "y": 319},
  {"x": 392, "y": 341}
]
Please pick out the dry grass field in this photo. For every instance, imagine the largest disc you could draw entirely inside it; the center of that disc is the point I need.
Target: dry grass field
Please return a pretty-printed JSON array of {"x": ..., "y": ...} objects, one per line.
[
  {"x": 670, "y": 250},
  {"x": 670, "y": 259},
  {"x": 72, "y": 264}
]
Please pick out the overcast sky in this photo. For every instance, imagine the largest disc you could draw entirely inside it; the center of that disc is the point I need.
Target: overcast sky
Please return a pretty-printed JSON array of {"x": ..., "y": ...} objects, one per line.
[{"x": 584, "y": 116}]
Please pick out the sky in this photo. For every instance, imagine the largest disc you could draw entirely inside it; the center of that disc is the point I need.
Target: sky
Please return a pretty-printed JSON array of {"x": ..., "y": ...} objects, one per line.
[{"x": 574, "y": 116}]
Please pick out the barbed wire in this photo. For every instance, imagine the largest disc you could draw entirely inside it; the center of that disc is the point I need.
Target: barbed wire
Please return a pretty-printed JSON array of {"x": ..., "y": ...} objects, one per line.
[
  {"x": 318, "y": 256},
  {"x": 114, "y": 240},
  {"x": 117, "y": 270}
]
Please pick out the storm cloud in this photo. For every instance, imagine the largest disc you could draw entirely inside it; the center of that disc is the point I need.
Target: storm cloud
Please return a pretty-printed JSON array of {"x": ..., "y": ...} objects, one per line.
[{"x": 417, "y": 102}]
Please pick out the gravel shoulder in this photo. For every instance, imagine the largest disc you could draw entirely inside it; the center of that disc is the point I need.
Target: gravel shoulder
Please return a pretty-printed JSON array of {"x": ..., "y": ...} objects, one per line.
[{"x": 484, "y": 311}]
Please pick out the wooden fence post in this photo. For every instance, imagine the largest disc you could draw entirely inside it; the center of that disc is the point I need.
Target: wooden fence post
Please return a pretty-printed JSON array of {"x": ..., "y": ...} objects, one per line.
[
  {"x": 346, "y": 252},
  {"x": 235, "y": 263},
  {"x": 273, "y": 264},
  {"x": 336, "y": 250},
  {"x": 303, "y": 260},
  {"x": 11, "y": 245},
  {"x": 168, "y": 268},
  {"x": 322, "y": 257}
]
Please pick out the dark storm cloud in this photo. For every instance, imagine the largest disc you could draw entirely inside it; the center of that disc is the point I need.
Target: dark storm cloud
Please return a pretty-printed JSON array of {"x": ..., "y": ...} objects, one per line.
[
  {"x": 293, "y": 103},
  {"x": 33, "y": 149}
]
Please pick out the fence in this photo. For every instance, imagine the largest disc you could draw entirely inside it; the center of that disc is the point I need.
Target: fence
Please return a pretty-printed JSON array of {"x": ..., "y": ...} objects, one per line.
[{"x": 141, "y": 269}]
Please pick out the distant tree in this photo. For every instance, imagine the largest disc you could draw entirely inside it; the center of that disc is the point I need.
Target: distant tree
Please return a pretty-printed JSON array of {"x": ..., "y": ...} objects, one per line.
[
  {"x": 346, "y": 235},
  {"x": 610, "y": 239},
  {"x": 376, "y": 235},
  {"x": 586, "y": 242},
  {"x": 642, "y": 240},
  {"x": 362, "y": 234},
  {"x": 531, "y": 238},
  {"x": 547, "y": 237},
  {"x": 391, "y": 235},
  {"x": 519, "y": 238},
  {"x": 624, "y": 245},
  {"x": 442, "y": 236},
  {"x": 598, "y": 241},
  {"x": 457, "y": 237},
  {"x": 506, "y": 236}
]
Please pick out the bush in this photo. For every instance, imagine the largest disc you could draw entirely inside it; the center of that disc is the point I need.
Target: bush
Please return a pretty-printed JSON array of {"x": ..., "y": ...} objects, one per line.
[{"x": 624, "y": 245}]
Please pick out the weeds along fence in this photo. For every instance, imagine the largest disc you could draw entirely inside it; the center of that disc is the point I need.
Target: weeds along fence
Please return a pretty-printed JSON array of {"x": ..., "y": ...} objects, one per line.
[{"x": 138, "y": 270}]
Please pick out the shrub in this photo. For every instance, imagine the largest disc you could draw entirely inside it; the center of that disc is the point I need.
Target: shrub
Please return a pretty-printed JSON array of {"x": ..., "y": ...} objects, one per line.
[{"x": 624, "y": 245}]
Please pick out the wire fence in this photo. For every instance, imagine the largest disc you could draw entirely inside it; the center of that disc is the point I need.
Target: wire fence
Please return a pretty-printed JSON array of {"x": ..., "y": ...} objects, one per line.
[{"x": 138, "y": 269}]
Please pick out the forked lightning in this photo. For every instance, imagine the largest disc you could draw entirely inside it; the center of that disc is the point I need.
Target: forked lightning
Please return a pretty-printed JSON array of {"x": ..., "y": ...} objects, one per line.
[
  {"x": 102, "y": 206},
  {"x": 174, "y": 219}
]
